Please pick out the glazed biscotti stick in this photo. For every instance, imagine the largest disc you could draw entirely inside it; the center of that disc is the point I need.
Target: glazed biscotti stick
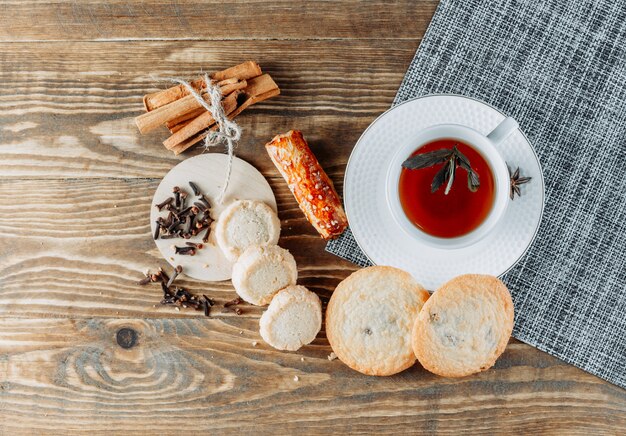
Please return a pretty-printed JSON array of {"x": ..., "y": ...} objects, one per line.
[
  {"x": 464, "y": 326},
  {"x": 308, "y": 182}
]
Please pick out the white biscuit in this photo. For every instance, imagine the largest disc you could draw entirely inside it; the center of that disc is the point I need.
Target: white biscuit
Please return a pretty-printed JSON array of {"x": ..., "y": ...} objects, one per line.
[
  {"x": 293, "y": 319},
  {"x": 245, "y": 223},
  {"x": 369, "y": 319},
  {"x": 464, "y": 327},
  {"x": 261, "y": 271}
]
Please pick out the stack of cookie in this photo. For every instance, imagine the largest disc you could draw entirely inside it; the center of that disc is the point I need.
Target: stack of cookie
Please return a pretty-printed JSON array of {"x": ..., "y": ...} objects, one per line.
[
  {"x": 379, "y": 321},
  {"x": 264, "y": 273}
]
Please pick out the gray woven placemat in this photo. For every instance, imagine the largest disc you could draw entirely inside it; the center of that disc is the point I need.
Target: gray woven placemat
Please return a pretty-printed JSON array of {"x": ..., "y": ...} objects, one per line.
[{"x": 559, "y": 68}]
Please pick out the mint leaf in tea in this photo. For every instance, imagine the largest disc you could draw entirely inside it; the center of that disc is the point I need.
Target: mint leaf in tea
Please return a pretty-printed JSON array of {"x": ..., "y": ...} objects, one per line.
[{"x": 432, "y": 200}]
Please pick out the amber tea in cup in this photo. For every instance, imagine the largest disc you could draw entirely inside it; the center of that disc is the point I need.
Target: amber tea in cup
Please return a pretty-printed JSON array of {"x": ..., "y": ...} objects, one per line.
[{"x": 460, "y": 211}]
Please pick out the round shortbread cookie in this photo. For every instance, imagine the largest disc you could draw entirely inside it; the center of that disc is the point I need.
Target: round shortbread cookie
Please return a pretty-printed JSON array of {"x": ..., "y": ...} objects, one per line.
[
  {"x": 293, "y": 319},
  {"x": 369, "y": 319},
  {"x": 464, "y": 326},
  {"x": 261, "y": 271},
  {"x": 245, "y": 223}
]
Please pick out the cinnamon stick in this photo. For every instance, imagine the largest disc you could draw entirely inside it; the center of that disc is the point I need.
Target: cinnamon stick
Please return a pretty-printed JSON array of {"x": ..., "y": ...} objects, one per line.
[
  {"x": 227, "y": 87},
  {"x": 178, "y": 122},
  {"x": 244, "y": 71},
  {"x": 201, "y": 122},
  {"x": 161, "y": 98},
  {"x": 153, "y": 119},
  {"x": 265, "y": 86},
  {"x": 180, "y": 108},
  {"x": 260, "y": 85},
  {"x": 230, "y": 87}
]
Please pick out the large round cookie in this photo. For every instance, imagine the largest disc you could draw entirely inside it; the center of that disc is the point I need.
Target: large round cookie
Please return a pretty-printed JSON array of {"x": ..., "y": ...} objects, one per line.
[
  {"x": 464, "y": 326},
  {"x": 369, "y": 319}
]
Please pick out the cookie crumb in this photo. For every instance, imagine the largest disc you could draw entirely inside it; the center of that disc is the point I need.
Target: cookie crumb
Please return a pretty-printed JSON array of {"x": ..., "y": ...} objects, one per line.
[
  {"x": 332, "y": 356},
  {"x": 206, "y": 265},
  {"x": 296, "y": 378},
  {"x": 254, "y": 343}
]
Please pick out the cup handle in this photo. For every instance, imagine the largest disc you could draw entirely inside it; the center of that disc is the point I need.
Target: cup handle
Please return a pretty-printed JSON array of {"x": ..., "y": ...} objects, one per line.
[{"x": 503, "y": 130}]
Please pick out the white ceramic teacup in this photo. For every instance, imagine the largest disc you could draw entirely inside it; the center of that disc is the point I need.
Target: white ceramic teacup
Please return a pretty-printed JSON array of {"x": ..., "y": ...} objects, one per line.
[{"x": 487, "y": 147}]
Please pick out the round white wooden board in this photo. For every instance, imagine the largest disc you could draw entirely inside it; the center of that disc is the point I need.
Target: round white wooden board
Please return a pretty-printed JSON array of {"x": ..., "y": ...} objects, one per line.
[{"x": 208, "y": 172}]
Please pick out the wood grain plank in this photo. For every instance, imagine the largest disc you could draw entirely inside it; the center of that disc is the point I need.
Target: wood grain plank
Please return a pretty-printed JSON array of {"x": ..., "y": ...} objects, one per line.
[
  {"x": 206, "y": 375},
  {"x": 183, "y": 19},
  {"x": 77, "y": 247},
  {"x": 66, "y": 108}
]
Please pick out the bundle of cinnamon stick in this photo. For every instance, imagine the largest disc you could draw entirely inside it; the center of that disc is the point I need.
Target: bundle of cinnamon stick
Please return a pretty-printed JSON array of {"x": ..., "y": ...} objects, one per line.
[{"x": 242, "y": 86}]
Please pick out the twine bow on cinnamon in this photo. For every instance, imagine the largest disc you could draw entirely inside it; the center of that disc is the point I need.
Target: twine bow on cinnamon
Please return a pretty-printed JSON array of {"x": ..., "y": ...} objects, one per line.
[
  {"x": 204, "y": 109},
  {"x": 228, "y": 131}
]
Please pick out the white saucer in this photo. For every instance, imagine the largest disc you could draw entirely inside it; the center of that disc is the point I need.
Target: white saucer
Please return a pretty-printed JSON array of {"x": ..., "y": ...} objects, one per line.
[
  {"x": 373, "y": 225},
  {"x": 207, "y": 170}
]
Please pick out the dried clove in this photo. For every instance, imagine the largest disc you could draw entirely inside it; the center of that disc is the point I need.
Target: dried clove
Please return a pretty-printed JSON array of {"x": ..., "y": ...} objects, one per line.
[
  {"x": 194, "y": 188},
  {"x": 188, "y": 224},
  {"x": 147, "y": 279},
  {"x": 233, "y": 302},
  {"x": 164, "y": 203},
  {"x": 177, "y": 271},
  {"x": 201, "y": 206},
  {"x": 157, "y": 230},
  {"x": 208, "y": 300},
  {"x": 172, "y": 226},
  {"x": 205, "y": 239},
  {"x": 185, "y": 251},
  {"x": 204, "y": 200},
  {"x": 176, "y": 191},
  {"x": 199, "y": 246},
  {"x": 166, "y": 291},
  {"x": 185, "y": 211}
]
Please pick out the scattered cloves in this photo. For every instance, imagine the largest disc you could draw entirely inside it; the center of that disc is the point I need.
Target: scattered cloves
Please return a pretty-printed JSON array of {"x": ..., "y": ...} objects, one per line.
[{"x": 184, "y": 222}]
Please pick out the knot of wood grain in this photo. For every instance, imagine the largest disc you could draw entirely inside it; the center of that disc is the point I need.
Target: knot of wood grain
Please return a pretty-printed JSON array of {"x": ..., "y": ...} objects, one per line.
[{"x": 126, "y": 337}]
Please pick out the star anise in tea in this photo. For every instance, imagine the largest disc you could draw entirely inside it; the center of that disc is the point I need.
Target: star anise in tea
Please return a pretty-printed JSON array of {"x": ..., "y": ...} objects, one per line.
[
  {"x": 516, "y": 181},
  {"x": 451, "y": 159}
]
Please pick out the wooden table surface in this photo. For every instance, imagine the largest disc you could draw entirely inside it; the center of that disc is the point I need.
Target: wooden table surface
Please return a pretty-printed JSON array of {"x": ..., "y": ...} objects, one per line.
[{"x": 76, "y": 182}]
